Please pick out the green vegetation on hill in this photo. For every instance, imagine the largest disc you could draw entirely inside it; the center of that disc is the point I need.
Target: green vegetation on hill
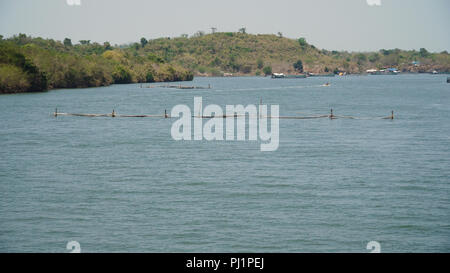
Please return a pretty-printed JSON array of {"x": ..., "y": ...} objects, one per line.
[
  {"x": 35, "y": 64},
  {"x": 247, "y": 54},
  {"x": 19, "y": 73}
]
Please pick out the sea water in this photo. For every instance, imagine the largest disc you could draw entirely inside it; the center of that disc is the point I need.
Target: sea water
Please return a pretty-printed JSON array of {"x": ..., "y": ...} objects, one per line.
[{"x": 124, "y": 185}]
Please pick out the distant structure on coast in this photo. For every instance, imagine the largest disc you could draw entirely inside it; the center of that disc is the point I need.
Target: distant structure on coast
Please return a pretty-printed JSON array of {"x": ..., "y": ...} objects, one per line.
[
  {"x": 282, "y": 76},
  {"x": 300, "y": 76},
  {"x": 385, "y": 71}
]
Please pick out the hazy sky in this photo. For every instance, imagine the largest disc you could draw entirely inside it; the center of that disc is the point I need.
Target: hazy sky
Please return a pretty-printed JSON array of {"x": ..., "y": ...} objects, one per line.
[{"x": 352, "y": 25}]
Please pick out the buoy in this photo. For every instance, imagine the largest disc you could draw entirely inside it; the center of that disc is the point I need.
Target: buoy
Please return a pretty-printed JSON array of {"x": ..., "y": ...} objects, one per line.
[
  {"x": 331, "y": 113},
  {"x": 113, "y": 114},
  {"x": 392, "y": 114},
  {"x": 165, "y": 113}
]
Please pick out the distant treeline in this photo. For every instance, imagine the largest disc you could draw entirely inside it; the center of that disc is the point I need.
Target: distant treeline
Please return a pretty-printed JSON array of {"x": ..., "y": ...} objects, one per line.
[
  {"x": 35, "y": 64},
  {"x": 248, "y": 54}
]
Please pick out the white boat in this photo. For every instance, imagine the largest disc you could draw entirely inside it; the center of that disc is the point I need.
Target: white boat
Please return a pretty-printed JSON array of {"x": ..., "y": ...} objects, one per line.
[{"x": 278, "y": 75}]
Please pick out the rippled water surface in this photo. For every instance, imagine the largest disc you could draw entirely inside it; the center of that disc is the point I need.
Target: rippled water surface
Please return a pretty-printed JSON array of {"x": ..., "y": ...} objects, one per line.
[{"x": 124, "y": 185}]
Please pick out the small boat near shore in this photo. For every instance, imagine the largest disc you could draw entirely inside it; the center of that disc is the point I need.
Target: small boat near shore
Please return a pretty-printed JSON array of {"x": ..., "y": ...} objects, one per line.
[
  {"x": 321, "y": 75},
  {"x": 284, "y": 76},
  {"x": 300, "y": 76},
  {"x": 387, "y": 71}
]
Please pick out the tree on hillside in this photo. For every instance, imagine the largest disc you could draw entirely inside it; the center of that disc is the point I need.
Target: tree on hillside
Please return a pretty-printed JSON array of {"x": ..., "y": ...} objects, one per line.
[
  {"x": 121, "y": 75},
  {"x": 423, "y": 52},
  {"x": 361, "y": 58},
  {"x": 143, "y": 42},
  {"x": 298, "y": 65},
  {"x": 280, "y": 34},
  {"x": 302, "y": 42},
  {"x": 21, "y": 39},
  {"x": 374, "y": 57},
  {"x": 149, "y": 77},
  {"x": 85, "y": 42},
  {"x": 243, "y": 30},
  {"x": 18, "y": 73},
  {"x": 385, "y": 52},
  {"x": 267, "y": 70},
  {"x": 67, "y": 42},
  {"x": 107, "y": 46},
  {"x": 260, "y": 63}
]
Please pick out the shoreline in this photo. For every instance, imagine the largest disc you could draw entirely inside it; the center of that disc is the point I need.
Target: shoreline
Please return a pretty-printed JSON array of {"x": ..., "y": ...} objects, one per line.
[
  {"x": 234, "y": 76},
  {"x": 323, "y": 76}
]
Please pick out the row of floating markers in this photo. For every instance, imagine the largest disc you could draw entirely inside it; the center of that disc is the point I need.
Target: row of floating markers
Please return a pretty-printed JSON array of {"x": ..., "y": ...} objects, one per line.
[
  {"x": 166, "y": 115},
  {"x": 113, "y": 114}
]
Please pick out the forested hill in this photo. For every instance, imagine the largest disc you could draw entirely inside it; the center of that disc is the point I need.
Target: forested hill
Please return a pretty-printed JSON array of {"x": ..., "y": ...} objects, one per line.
[
  {"x": 248, "y": 54},
  {"x": 35, "y": 64}
]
